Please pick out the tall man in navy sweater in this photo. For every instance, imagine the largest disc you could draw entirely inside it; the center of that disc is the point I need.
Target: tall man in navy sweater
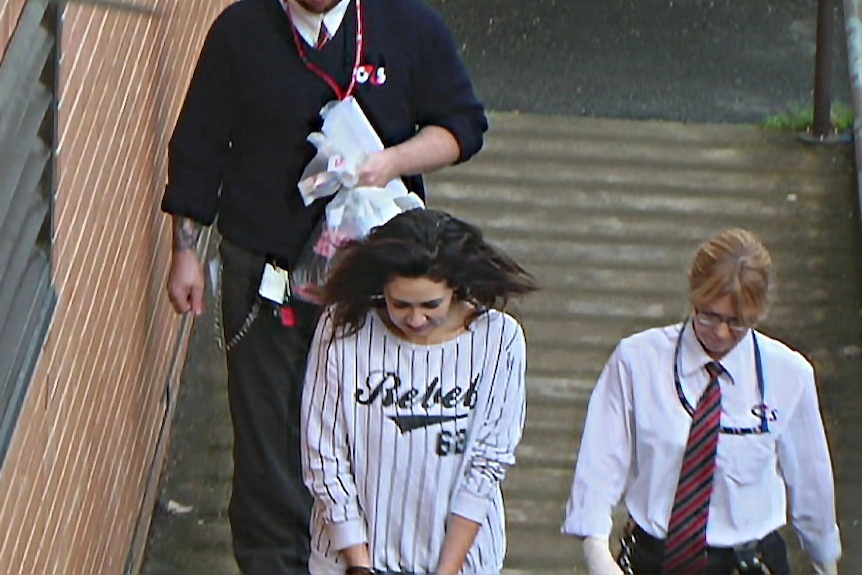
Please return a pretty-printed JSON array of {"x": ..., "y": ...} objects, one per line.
[{"x": 238, "y": 150}]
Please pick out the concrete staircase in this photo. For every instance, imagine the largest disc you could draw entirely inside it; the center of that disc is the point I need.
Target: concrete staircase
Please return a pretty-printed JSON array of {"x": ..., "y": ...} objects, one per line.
[{"x": 607, "y": 214}]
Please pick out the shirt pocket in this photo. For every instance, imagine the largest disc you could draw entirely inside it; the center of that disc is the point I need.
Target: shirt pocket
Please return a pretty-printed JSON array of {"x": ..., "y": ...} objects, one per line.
[
  {"x": 749, "y": 458},
  {"x": 748, "y": 464}
]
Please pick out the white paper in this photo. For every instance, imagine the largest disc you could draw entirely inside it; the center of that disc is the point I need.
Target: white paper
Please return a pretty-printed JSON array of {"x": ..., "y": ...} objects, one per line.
[{"x": 273, "y": 284}]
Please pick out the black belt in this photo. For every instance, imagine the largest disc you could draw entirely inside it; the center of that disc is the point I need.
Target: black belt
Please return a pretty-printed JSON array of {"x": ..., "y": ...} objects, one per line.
[
  {"x": 648, "y": 546},
  {"x": 655, "y": 544}
]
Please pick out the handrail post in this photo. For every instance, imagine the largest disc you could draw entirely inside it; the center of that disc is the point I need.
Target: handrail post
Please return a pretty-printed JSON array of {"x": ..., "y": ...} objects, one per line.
[{"x": 822, "y": 126}]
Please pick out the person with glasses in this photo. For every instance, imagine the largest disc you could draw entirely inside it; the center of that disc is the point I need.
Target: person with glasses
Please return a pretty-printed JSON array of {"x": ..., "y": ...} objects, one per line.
[{"x": 709, "y": 430}]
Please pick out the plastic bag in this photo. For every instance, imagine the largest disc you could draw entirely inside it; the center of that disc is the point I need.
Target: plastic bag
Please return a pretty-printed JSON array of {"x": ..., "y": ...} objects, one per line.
[
  {"x": 351, "y": 214},
  {"x": 346, "y": 139},
  {"x": 342, "y": 146}
]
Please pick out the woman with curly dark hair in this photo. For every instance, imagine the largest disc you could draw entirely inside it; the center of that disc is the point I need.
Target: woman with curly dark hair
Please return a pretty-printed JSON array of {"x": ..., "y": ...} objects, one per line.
[{"x": 414, "y": 401}]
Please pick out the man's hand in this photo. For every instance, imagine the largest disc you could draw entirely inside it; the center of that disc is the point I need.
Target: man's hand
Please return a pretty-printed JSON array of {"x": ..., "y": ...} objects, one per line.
[
  {"x": 599, "y": 559},
  {"x": 186, "y": 277},
  {"x": 379, "y": 169},
  {"x": 430, "y": 149},
  {"x": 186, "y": 282}
]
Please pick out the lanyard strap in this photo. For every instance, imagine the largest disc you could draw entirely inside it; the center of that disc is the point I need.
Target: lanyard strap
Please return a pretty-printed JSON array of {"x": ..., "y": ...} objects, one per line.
[
  {"x": 761, "y": 383},
  {"x": 340, "y": 93},
  {"x": 761, "y": 386}
]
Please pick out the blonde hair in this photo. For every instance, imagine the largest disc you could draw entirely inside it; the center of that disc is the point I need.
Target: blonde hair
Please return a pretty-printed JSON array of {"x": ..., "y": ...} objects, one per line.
[{"x": 733, "y": 263}]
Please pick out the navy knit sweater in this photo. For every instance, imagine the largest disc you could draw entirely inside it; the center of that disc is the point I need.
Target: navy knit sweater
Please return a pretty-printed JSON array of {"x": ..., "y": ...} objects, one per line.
[{"x": 239, "y": 146}]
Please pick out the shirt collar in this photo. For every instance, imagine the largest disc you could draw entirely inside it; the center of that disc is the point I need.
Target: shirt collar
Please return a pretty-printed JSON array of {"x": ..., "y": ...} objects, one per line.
[
  {"x": 693, "y": 357},
  {"x": 308, "y": 24}
]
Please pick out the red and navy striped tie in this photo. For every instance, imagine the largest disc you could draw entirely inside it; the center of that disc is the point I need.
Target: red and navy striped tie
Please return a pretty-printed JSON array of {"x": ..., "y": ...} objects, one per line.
[
  {"x": 685, "y": 545},
  {"x": 322, "y": 36}
]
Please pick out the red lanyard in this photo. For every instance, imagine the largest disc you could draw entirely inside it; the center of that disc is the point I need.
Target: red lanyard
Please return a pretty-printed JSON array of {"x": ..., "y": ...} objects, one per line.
[{"x": 300, "y": 47}]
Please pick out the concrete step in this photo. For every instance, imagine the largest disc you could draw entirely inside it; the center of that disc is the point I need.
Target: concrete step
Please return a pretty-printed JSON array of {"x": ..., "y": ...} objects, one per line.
[
  {"x": 529, "y": 127},
  {"x": 606, "y": 149},
  {"x": 206, "y": 549},
  {"x": 575, "y": 331},
  {"x": 548, "y": 421},
  {"x": 554, "y": 278},
  {"x": 534, "y": 482},
  {"x": 555, "y": 305},
  {"x": 541, "y": 546},
  {"x": 641, "y": 192},
  {"x": 674, "y": 259},
  {"x": 547, "y": 177},
  {"x": 560, "y": 391},
  {"x": 621, "y": 217},
  {"x": 551, "y": 450}
]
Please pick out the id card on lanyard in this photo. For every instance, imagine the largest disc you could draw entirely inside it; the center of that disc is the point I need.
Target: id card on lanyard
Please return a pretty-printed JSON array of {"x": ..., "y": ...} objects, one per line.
[{"x": 340, "y": 93}]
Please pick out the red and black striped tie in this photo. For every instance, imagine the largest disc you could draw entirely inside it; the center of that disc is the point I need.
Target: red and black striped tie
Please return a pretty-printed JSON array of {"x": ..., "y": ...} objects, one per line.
[
  {"x": 322, "y": 36},
  {"x": 685, "y": 545}
]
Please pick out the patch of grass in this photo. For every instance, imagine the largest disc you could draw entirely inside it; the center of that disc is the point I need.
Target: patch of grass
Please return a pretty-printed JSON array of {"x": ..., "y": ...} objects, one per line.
[{"x": 801, "y": 119}]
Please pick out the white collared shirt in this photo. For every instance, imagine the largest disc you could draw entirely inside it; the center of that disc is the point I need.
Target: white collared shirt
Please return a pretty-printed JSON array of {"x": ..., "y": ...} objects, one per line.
[
  {"x": 636, "y": 430},
  {"x": 308, "y": 24}
]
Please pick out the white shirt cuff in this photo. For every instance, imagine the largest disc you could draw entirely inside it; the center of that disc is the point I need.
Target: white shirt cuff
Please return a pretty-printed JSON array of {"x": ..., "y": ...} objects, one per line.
[
  {"x": 470, "y": 506},
  {"x": 825, "y": 548},
  {"x": 347, "y": 534}
]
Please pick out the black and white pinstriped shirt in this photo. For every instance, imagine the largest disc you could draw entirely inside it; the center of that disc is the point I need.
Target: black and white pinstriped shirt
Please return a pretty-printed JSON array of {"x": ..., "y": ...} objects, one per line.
[{"x": 398, "y": 436}]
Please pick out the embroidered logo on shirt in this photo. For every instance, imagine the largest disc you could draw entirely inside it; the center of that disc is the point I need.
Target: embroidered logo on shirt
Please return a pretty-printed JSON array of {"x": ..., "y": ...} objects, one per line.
[
  {"x": 386, "y": 388},
  {"x": 761, "y": 409},
  {"x": 408, "y": 423}
]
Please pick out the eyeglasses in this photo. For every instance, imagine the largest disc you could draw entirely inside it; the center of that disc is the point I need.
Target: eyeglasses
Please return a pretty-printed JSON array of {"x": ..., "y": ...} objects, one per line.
[{"x": 712, "y": 319}]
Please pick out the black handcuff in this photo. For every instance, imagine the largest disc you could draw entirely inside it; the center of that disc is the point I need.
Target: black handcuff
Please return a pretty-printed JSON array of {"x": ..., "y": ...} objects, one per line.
[
  {"x": 761, "y": 386},
  {"x": 747, "y": 560}
]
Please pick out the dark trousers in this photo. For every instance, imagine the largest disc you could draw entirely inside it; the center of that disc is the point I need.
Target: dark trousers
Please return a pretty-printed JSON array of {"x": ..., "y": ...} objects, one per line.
[
  {"x": 270, "y": 506},
  {"x": 648, "y": 555}
]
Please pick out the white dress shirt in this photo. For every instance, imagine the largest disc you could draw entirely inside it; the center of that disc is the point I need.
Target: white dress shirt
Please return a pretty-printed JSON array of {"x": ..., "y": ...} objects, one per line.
[
  {"x": 636, "y": 431},
  {"x": 308, "y": 23}
]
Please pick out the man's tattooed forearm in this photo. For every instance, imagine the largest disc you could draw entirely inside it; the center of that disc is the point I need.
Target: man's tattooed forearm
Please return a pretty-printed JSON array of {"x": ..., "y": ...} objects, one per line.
[{"x": 186, "y": 233}]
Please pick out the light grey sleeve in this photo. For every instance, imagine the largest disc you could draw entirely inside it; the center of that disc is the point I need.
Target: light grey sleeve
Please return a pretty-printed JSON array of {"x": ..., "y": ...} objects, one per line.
[
  {"x": 499, "y": 424},
  {"x": 325, "y": 454}
]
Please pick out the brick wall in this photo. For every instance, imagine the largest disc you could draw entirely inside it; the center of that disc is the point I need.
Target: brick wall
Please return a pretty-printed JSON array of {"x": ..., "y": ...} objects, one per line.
[
  {"x": 10, "y": 10},
  {"x": 78, "y": 471}
]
